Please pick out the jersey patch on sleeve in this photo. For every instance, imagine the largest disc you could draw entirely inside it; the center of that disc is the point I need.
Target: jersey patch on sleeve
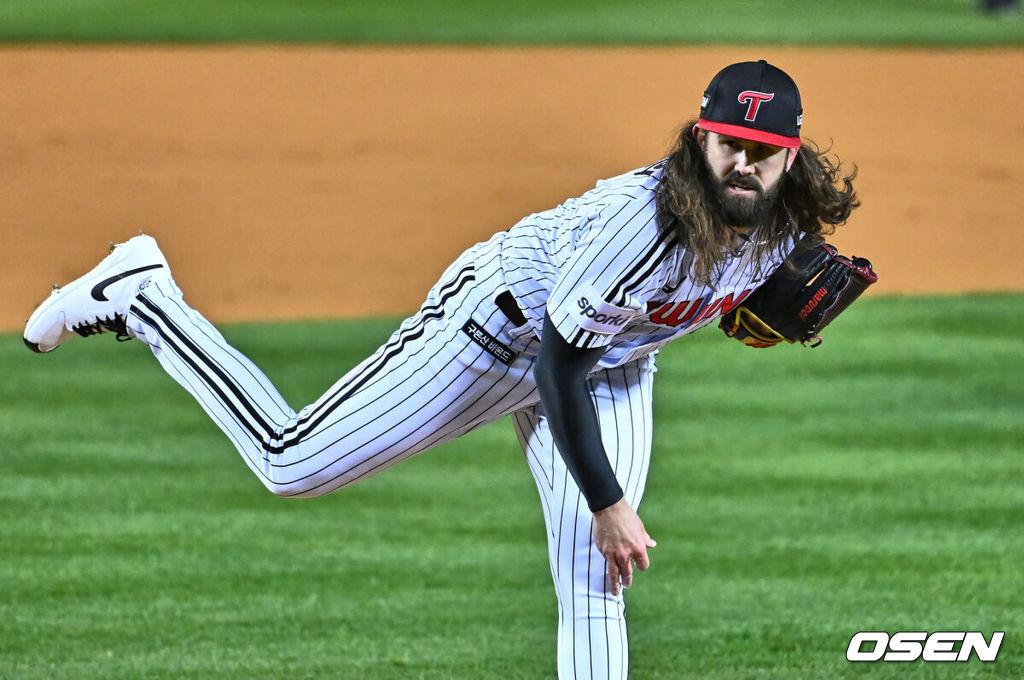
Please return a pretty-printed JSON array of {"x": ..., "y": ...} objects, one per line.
[{"x": 590, "y": 312}]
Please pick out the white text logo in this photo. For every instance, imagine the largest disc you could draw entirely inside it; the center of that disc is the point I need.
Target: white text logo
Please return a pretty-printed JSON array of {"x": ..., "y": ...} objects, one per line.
[{"x": 913, "y": 645}]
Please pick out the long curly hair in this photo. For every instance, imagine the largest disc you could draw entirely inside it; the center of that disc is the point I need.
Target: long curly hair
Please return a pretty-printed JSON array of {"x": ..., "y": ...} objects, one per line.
[{"x": 814, "y": 198}]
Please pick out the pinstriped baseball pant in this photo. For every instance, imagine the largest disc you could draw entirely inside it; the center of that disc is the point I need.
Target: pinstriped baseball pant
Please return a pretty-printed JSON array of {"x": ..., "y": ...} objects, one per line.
[
  {"x": 428, "y": 384},
  {"x": 591, "y": 624}
]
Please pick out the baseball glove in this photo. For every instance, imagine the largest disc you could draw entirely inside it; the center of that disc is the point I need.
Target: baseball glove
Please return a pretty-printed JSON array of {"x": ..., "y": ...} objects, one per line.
[{"x": 812, "y": 286}]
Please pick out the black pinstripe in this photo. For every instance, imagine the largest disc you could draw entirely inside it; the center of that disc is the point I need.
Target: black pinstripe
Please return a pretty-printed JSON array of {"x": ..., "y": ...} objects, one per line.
[
  {"x": 246, "y": 414},
  {"x": 269, "y": 398},
  {"x": 427, "y": 313},
  {"x": 641, "y": 271},
  {"x": 351, "y": 451},
  {"x": 637, "y": 232}
]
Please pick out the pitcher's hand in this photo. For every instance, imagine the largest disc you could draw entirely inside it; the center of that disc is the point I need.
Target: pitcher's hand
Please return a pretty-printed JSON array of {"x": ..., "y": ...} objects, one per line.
[{"x": 620, "y": 536}]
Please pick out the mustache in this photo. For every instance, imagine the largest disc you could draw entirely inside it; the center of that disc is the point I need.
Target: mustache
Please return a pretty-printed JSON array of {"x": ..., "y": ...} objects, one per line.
[{"x": 743, "y": 181}]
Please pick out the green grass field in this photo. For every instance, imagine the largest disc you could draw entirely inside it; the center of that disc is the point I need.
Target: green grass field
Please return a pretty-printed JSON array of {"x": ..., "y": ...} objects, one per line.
[
  {"x": 798, "y": 496},
  {"x": 816, "y": 22}
]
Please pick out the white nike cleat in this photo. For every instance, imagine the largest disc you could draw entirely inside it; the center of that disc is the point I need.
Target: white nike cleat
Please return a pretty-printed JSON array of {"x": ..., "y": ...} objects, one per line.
[{"x": 98, "y": 301}]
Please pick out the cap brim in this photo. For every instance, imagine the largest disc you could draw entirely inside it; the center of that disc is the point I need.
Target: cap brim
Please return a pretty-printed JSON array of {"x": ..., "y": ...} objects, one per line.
[{"x": 741, "y": 132}]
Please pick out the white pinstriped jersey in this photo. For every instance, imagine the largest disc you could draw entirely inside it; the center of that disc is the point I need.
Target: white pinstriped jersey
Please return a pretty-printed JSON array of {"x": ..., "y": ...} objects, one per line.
[{"x": 607, "y": 275}]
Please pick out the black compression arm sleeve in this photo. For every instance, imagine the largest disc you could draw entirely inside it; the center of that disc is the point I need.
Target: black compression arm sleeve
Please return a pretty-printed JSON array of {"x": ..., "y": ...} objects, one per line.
[{"x": 561, "y": 374}]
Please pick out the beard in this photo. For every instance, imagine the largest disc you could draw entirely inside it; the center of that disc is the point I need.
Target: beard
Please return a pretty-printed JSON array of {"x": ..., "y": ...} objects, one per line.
[{"x": 750, "y": 210}]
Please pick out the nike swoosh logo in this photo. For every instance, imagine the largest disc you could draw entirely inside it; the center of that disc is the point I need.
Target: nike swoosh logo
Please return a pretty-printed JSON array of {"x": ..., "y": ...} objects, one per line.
[{"x": 97, "y": 290}]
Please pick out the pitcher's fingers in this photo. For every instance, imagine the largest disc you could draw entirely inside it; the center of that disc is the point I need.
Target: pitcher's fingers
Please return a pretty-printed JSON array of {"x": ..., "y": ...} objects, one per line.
[
  {"x": 642, "y": 560},
  {"x": 613, "y": 577},
  {"x": 626, "y": 570}
]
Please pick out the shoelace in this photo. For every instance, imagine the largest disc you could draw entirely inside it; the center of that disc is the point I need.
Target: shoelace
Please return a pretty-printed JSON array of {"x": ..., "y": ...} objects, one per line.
[{"x": 115, "y": 324}]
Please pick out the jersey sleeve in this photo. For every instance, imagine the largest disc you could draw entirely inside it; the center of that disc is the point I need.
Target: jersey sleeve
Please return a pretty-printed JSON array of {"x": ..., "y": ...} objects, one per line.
[{"x": 613, "y": 271}]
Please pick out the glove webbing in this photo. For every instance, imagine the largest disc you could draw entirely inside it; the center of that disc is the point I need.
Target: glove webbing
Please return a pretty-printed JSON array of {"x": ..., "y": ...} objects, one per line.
[{"x": 755, "y": 327}]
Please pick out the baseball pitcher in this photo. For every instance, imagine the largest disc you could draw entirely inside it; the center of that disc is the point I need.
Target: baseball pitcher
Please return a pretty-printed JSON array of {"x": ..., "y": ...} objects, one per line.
[{"x": 556, "y": 321}]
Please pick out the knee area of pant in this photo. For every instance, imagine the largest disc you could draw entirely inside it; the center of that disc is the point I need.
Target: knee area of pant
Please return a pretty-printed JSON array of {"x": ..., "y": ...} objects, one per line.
[
  {"x": 596, "y": 601},
  {"x": 292, "y": 490}
]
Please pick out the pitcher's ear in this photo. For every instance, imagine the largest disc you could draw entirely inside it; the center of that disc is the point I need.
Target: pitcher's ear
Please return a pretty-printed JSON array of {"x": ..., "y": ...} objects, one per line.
[{"x": 791, "y": 157}]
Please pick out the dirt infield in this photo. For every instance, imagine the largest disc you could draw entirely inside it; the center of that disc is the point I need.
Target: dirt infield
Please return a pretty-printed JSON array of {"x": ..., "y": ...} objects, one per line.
[{"x": 318, "y": 182}]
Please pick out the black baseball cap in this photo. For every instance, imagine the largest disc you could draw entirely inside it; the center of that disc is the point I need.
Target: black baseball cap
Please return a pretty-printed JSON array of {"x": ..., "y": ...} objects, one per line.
[{"x": 753, "y": 100}]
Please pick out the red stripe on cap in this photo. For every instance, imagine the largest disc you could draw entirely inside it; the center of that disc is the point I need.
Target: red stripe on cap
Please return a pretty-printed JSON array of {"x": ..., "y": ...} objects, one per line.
[{"x": 741, "y": 132}]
